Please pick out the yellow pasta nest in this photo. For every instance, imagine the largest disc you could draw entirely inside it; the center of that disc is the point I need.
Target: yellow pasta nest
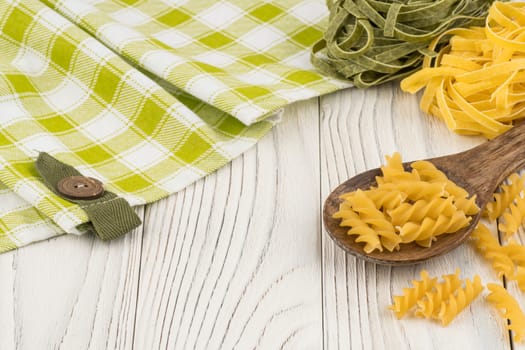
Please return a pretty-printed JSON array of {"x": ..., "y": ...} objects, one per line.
[
  {"x": 441, "y": 301},
  {"x": 476, "y": 82},
  {"x": 405, "y": 207}
]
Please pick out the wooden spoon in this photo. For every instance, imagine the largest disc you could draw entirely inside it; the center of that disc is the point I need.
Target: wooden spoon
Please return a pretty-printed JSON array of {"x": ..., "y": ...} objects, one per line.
[{"x": 479, "y": 171}]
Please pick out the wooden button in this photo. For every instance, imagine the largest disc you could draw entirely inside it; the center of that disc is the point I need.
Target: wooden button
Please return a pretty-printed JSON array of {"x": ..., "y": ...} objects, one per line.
[{"x": 80, "y": 187}]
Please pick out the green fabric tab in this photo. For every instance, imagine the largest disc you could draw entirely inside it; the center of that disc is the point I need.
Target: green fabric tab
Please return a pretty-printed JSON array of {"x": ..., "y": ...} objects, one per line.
[
  {"x": 370, "y": 42},
  {"x": 110, "y": 216},
  {"x": 147, "y": 138}
]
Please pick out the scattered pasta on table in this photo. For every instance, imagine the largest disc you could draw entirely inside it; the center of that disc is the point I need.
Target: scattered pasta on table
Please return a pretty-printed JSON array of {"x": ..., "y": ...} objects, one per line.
[
  {"x": 509, "y": 308},
  {"x": 441, "y": 301}
]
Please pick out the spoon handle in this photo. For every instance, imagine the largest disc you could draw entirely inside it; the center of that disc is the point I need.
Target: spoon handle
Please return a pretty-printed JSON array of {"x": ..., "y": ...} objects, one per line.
[
  {"x": 488, "y": 164},
  {"x": 505, "y": 152}
]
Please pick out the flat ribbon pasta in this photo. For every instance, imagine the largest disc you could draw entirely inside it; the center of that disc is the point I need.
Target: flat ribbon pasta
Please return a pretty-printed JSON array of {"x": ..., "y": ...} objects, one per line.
[
  {"x": 476, "y": 83},
  {"x": 371, "y": 42}
]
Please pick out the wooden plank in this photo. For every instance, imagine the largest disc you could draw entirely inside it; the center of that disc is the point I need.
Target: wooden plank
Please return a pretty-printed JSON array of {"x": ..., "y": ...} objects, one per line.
[
  {"x": 70, "y": 293},
  {"x": 233, "y": 260},
  {"x": 360, "y": 127},
  {"x": 512, "y": 286}
]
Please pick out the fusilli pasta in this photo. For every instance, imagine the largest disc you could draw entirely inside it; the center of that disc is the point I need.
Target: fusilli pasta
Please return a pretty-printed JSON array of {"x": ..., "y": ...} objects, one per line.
[
  {"x": 425, "y": 232},
  {"x": 394, "y": 172},
  {"x": 375, "y": 219},
  {"x": 459, "y": 300},
  {"x": 510, "y": 309},
  {"x": 513, "y": 218},
  {"x": 403, "y": 303},
  {"x": 421, "y": 209},
  {"x": 405, "y": 206},
  {"x": 428, "y": 307},
  {"x": 516, "y": 252},
  {"x": 505, "y": 197},
  {"x": 416, "y": 190},
  {"x": 440, "y": 301},
  {"x": 358, "y": 227},
  {"x": 489, "y": 246},
  {"x": 428, "y": 172}
]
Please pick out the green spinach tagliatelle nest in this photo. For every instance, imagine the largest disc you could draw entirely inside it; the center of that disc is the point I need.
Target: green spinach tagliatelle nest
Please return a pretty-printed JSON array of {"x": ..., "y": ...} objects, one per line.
[{"x": 371, "y": 42}]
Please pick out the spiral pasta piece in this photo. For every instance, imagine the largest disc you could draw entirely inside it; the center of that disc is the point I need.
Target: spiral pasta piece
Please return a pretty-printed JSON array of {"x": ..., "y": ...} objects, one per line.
[
  {"x": 393, "y": 162},
  {"x": 416, "y": 190},
  {"x": 360, "y": 228},
  {"x": 424, "y": 233},
  {"x": 460, "y": 300},
  {"x": 394, "y": 172},
  {"x": 403, "y": 303},
  {"x": 516, "y": 252},
  {"x": 382, "y": 199},
  {"x": 417, "y": 211},
  {"x": 466, "y": 205},
  {"x": 475, "y": 84},
  {"x": 376, "y": 219},
  {"x": 510, "y": 309},
  {"x": 513, "y": 218},
  {"x": 428, "y": 172},
  {"x": 489, "y": 246},
  {"x": 503, "y": 199},
  {"x": 428, "y": 307},
  {"x": 396, "y": 176},
  {"x": 386, "y": 199}
]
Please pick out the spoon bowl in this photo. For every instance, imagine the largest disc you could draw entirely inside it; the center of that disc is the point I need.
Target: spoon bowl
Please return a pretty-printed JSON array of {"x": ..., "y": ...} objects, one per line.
[{"x": 479, "y": 171}]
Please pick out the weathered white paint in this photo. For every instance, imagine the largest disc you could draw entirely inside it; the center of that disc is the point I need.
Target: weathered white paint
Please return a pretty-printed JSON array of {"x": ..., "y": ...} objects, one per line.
[{"x": 240, "y": 259}]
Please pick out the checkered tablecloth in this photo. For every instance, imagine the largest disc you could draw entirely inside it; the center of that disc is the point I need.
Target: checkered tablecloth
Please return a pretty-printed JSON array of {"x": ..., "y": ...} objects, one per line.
[{"x": 146, "y": 96}]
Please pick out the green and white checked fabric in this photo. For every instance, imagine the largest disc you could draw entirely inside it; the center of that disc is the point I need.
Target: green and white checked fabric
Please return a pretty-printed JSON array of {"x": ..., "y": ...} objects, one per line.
[
  {"x": 247, "y": 58},
  {"x": 146, "y": 96}
]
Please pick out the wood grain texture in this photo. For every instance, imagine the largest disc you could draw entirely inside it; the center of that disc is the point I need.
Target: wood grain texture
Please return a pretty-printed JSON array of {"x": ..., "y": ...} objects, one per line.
[
  {"x": 70, "y": 293},
  {"x": 239, "y": 260},
  {"x": 234, "y": 260},
  {"x": 358, "y": 129},
  {"x": 512, "y": 286}
]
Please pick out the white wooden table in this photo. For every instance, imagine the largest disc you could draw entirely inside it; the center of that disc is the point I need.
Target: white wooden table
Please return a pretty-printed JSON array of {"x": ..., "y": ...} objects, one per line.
[{"x": 240, "y": 259}]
